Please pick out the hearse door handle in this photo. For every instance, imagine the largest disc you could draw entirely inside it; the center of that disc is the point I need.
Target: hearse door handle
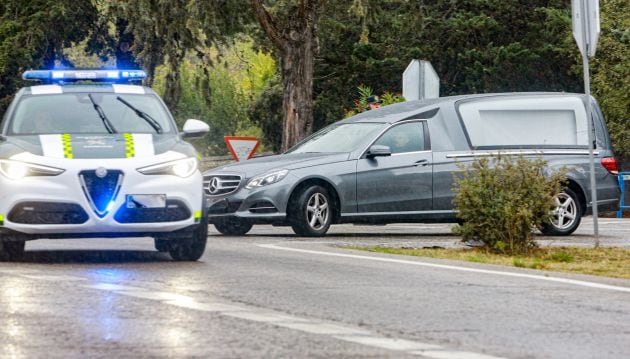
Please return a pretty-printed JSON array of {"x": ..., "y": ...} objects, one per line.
[{"x": 421, "y": 163}]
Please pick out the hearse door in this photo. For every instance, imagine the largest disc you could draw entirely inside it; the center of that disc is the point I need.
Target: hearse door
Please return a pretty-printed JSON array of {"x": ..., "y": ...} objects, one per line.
[{"x": 401, "y": 182}]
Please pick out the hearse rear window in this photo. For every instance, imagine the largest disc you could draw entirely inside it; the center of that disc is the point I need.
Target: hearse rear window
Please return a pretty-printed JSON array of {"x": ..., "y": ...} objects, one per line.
[{"x": 525, "y": 123}]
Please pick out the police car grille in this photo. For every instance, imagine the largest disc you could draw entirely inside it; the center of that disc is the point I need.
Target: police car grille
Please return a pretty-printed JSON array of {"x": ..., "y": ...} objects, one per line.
[
  {"x": 217, "y": 185},
  {"x": 101, "y": 191}
]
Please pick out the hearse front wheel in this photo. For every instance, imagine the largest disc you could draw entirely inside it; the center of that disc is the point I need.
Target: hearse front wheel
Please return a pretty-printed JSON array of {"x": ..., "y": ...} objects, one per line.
[
  {"x": 566, "y": 216},
  {"x": 311, "y": 212},
  {"x": 233, "y": 227}
]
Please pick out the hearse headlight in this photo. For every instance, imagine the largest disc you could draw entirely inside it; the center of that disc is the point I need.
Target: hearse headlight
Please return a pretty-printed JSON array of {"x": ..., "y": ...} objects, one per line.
[
  {"x": 16, "y": 170},
  {"x": 181, "y": 168},
  {"x": 267, "y": 179}
]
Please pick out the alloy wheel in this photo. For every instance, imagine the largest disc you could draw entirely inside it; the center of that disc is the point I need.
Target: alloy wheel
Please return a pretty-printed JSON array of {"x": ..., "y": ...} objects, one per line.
[
  {"x": 566, "y": 212},
  {"x": 317, "y": 211}
]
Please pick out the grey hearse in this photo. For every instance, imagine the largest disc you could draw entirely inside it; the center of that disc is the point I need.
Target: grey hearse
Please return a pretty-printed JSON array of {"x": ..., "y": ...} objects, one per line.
[{"x": 396, "y": 164}]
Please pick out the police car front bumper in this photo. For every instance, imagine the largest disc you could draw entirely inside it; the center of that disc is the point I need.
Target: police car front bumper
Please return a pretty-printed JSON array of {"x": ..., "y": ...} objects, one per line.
[{"x": 55, "y": 205}]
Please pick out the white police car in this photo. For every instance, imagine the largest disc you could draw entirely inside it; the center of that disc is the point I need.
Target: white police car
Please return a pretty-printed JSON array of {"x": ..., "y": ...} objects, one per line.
[{"x": 101, "y": 158}]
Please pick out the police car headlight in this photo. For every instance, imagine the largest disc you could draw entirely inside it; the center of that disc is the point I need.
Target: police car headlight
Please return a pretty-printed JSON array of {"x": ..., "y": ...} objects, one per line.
[
  {"x": 180, "y": 168},
  {"x": 15, "y": 170},
  {"x": 266, "y": 179}
]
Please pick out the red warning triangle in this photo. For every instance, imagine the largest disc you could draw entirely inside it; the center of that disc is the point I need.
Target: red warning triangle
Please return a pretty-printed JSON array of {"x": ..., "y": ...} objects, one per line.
[{"x": 242, "y": 148}]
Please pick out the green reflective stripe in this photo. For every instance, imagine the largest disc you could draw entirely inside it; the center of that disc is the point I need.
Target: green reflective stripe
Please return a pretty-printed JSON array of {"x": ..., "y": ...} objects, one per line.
[
  {"x": 1, "y": 219},
  {"x": 197, "y": 216},
  {"x": 66, "y": 141},
  {"x": 199, "y": 157},
  {"x": 130, "y": 150}
]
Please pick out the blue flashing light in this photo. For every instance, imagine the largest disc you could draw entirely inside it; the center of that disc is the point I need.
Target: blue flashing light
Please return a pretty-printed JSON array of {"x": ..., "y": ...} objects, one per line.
[{"x": 52, "y": 76}]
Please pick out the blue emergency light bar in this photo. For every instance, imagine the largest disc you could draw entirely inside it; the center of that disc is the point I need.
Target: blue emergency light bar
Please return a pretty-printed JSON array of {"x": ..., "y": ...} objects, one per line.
[{"x": 51, "y": 76}]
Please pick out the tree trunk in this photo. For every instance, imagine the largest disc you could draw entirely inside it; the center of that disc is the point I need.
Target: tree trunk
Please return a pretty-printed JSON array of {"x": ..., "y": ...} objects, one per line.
[
  {"x": 297, "y": 99},
  {"x": 297, "y": 43}
]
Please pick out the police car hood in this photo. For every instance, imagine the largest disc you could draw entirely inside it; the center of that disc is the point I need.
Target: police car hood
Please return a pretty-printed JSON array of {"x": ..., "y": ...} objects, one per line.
[{"x": 86, "y": 146}]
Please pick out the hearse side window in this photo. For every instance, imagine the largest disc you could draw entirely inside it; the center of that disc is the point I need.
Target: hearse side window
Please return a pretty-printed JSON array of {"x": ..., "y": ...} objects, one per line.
[
  {"x": 525, "y": 123},
  {"x": 407, "y": 137}
]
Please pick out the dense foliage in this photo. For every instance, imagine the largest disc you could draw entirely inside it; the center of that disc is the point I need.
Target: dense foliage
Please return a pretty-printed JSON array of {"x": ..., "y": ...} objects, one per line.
[
  {"x": 474, "y": 45},
  {"x": 34, "y": 33},
  {"x": 610, "y": 78},
  {"x": 501, "y": 201}
]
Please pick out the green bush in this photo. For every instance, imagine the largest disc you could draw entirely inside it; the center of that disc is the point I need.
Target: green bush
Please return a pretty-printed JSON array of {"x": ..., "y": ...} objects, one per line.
[{"x": 501, "y": 200}]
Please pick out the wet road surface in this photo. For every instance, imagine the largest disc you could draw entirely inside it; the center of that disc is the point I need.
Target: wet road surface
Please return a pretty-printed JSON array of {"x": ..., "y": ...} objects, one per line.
[{"x": 270, "y": 294}]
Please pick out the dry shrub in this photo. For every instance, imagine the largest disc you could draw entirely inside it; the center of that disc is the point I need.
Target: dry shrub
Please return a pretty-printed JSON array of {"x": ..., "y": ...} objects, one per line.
[{"x": 501, "y": 200}]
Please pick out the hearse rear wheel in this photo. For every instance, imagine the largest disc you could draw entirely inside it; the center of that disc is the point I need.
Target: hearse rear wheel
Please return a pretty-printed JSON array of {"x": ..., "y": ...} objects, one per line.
[{"x": 566, "y": 216}]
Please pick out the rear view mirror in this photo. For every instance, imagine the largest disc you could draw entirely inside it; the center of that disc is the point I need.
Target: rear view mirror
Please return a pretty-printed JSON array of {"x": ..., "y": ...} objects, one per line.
[
  {"x": 195, "y": 129},
  {"x": 379, "y": 151}
]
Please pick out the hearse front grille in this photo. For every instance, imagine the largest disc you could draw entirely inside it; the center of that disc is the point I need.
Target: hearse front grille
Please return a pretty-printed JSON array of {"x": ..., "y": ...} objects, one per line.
[{"x": 217, "y": 185}]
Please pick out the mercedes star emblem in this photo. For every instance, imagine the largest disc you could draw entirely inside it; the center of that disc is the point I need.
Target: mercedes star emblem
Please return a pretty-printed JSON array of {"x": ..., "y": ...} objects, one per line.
[
  {"x": 214, "y": 185},
  {"x": 101, "y": 172}
]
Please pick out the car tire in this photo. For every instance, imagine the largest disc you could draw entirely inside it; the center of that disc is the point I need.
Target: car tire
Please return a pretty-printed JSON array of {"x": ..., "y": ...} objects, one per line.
[
  {"x": 162, "y": 245},
  {"x": 233, "y": 227},
  {"x": 11, "y": 249},
  {"x": 311, "y": 212},
  {"x": 191, "y": 248},
  {"x": 566, "y": 216}
]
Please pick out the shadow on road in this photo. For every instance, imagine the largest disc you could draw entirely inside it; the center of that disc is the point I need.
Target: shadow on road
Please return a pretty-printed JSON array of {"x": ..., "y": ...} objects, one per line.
[
  {"x": 92, "y": 256},
  {"x": 333, "y": 235}
]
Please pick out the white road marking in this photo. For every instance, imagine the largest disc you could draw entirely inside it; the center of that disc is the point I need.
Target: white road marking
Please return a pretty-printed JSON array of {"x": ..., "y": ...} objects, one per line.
[
  {"x": 323, "y": 328},
  {"x": 261, "y": 315},
  {"x": 340, "y": 332},
  {"x": 53, "y": 278},
  {"x": 109, "y": 286},
  {"x": 205, "y": 307},
  {"x": 452, "y": 267},
  {"x": 447, "y": 354},
  {"x": 266, "y": 317},
  {"x": 389, "y": 343}
]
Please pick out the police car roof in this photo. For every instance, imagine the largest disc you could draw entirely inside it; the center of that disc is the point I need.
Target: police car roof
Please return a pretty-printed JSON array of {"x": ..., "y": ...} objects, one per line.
[{"x": 82, "y": 88}]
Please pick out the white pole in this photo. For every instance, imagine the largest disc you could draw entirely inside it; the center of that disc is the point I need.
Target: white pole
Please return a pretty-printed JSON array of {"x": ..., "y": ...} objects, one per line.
[{"x": 589, "y": 118}]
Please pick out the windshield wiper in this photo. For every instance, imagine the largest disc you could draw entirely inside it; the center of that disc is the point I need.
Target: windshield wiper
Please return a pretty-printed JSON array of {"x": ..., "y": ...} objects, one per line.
[
  {"x": 143, "y": 115},
  {"x": 108, "y": 125}
]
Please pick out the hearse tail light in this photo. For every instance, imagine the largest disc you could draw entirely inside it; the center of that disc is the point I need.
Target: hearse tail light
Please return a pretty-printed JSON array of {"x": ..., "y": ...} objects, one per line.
[{"x": 610, "y": 164}]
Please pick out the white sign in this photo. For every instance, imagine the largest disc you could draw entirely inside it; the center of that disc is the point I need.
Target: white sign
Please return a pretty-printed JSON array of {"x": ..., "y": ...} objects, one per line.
[
  {"x": 420, "y": 81},
  {"x": 586, "y": 29},
  {"x": 242, "y": 148}
]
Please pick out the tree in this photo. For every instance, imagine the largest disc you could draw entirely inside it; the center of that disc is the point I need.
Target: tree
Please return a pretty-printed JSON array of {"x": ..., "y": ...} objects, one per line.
[
  {"x": 611, "y": 75},
  {"x": 34, "y": 33},
  {"x": 293, "y": 31},
  {"x": 476, "y": 46}
]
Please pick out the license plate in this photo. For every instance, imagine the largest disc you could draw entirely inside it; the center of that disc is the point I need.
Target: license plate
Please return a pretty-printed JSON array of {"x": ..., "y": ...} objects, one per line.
[{"x": 146, "y": 201}]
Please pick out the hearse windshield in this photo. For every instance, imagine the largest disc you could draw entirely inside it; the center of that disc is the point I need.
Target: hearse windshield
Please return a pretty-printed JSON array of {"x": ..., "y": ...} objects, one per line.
[{"x": 341, "y": 138}]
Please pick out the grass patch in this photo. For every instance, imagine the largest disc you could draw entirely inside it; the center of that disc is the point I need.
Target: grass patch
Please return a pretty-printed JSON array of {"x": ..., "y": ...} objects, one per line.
[{"x": 608, "y": 262}]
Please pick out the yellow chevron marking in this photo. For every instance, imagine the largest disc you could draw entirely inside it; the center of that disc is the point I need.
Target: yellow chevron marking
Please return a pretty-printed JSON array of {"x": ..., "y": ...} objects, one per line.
[
  {"x": 130, "y": 149},
  {"x": 66, "y": 141}
]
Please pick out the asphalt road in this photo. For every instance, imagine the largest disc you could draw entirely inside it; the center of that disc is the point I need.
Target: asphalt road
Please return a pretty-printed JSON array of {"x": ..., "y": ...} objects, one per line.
[{"x": 272, "y": 295}]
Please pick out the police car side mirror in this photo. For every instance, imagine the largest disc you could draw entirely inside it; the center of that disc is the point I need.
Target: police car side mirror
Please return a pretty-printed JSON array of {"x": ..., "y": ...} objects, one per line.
[{"x": 195, "y": 129}]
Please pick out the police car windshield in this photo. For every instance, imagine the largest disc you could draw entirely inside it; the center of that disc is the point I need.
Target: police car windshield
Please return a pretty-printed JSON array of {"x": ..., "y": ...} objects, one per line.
[
  {"x": 341, "y": 138},
  {"x": 74, "y": 113}
]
